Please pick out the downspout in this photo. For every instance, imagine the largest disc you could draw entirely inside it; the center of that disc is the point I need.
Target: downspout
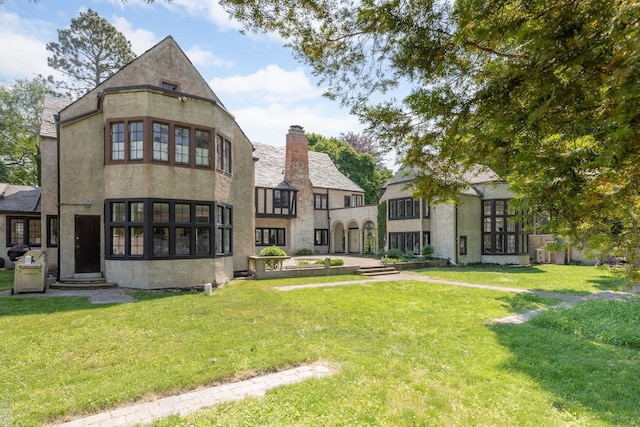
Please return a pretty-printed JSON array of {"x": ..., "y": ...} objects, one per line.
[
  {"x": 57, "y": 120},
  {"x": 328, "y": 224},
  {"x": 456, "y": 248}
]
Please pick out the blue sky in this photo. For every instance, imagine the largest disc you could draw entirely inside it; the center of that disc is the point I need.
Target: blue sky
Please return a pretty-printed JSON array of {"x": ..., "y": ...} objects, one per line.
[{"x": 256, "y": 78}]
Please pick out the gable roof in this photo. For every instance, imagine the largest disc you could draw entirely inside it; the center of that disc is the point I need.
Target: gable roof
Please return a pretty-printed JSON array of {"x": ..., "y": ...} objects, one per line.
[
  {"x": 52, "y": 106},
  {"x": 165, "y": 61},
  {"x": 19, "y": 198},
  {"x": 323, "y": 173}
]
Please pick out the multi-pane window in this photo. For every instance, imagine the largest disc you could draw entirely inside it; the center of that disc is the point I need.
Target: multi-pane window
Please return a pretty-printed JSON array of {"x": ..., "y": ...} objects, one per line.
[
  {"x": 24, "y": 230},
  {"x": 161, "y": 142},
  {"x": 223, "y": 229},
  {"x": 202, "y": 147},
  {"x": 463, "y": 245},
  {"x": 405, "y": 242},
  {"x": 136, "y": 141},
  {"x": 280, "y": 198},
  {"x": 502, "y": 232},
  {"x": 404, "y": 208},
  {"x": 270, "y": 237},
  {"x": 52, "y": 231},
  {"x": 426, "y": 209},
  {"x": 181, "y": 144},
  {"x": 223, "y": 154},
  {"x": 426, "y": 238},
  {"x": 152, "y": 141},
  {"x": 117, "y": 141},
  {"x": 320, "y": 201},
  {"x": 321, "y": 237},
  {"x": 149, "y": 229},
  {"x": 353, "y": 200}
]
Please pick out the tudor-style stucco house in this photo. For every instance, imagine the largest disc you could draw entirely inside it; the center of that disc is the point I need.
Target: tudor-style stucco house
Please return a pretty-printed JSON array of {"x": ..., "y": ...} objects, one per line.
[
  {"x": 152, "y": 177},
  {"x": 302, "y": 201},
  {"x": 480, "y": 228}
]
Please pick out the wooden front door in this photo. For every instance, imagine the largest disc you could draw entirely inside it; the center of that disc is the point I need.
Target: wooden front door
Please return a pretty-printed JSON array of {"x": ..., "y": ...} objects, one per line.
[{"x": 87, "y": 244}]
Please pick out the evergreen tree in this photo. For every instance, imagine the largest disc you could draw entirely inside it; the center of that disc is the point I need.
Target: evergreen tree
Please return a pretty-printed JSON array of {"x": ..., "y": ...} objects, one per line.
[{"x": 88, "y": 52}]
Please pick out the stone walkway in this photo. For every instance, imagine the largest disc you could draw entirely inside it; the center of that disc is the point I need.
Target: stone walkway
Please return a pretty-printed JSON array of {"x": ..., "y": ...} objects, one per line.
[
  {"x": 182, "y": 404},
  {"x": 568, "y": 300}
]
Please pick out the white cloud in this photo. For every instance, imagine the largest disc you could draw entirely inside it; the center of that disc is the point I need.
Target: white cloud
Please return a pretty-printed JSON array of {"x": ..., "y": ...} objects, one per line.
[
  {"x": 271, "y": 84},
  {"x": 210, "y": 9},
  {"x": 22, "y": 49},
  {"x": 202, "y": 58},
  {"x": 270, "y": 124},
  {"x": 141, "y": 40}
]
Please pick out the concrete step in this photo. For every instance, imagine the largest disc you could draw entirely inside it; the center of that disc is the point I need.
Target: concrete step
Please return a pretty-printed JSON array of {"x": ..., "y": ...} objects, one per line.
[
  {"x": 83, "y": 283},
  {"x": 376, "y": 270}
]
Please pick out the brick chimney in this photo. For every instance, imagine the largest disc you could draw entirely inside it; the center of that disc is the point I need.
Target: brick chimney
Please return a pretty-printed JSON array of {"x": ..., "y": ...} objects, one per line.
[
  {"x": 297, "y": 160},
  {"x": 296, "y": 171}
]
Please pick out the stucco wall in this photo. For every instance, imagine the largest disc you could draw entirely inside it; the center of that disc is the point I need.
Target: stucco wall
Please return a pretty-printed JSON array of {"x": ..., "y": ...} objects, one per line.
[
  {"x": 49, "y": 194},
  {"x": 469, "y": 224},
  {"x": 169, "y": 273},
  {"x": 443, "y": 231}
]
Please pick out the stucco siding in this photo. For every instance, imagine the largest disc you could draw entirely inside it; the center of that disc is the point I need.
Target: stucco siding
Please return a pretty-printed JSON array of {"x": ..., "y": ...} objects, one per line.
[{"x": 469, "y": 223}]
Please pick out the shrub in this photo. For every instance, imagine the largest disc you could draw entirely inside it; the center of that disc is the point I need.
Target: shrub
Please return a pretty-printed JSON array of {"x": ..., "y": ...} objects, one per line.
[
  {"x": 427, "y": 250},
  {"x": 394, "y": 253},
  {"x": 272, "y": 251},
  {"x": 305, "y": 251},
  {"x": 334, "y": 262},
  {"x": 381, "y": 253}
]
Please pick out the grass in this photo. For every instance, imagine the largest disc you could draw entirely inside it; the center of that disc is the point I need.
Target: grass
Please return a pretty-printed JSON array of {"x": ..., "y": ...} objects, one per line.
[
  {"x": 6, "y": 280},
  {"x": 407, "y": 353},
  {"x": 569, "y": 279}
]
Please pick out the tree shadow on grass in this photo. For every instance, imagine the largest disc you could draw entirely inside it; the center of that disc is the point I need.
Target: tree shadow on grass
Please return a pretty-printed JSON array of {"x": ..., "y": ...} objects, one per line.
[
  {"x": 520, "y": 303},
  {"x": 586, "y": 378}
]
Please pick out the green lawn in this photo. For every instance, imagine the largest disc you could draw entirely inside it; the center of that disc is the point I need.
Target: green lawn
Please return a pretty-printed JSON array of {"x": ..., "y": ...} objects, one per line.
[
  {"x": 6, "y": 279},
  {"x": 406, "y": 353},
  {"x": 568, "y": 279}
]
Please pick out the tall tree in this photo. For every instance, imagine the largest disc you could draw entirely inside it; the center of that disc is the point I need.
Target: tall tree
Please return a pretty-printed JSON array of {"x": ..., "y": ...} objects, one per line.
[
  {"x": 359, "y": 167},
  {"x": 88, "y": 52},
  {"x": 543, "y": 92},
  {"x": 364, "y": 144},
  {"x": 21, "y": 107}
]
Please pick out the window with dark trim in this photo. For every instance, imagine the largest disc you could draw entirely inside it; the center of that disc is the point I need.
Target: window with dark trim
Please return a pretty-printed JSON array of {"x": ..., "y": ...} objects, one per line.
[
  {"x": 405, "y": 242},
  {"x": 280, "y": 198},
  {"x": 404, "y": 208},
  {"x": 223, "y": 229},
  {"x": 502, "y": 231},
  {"x": 24, "y": 230},
  {"x": 223, "y": 154},
  {"x": 52, "y": 231},
  {"x": 426, "y": 209},
  {"x": 151, "y": 140},
  {"x": 320, "y": 201},
  {"x": 426, "y": 238},
  {"x": 353, "y": 200},
  {"x": 321, "y": 237},
  {"x": 166, "y": 229},
  {"x": 270, "y": 236},
  {"x": 463, "y": 245}
]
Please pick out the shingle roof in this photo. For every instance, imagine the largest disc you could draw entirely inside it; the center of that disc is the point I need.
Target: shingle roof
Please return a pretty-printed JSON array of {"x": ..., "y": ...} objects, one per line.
[
  {"x": 269, "y": 169},
  {"x": 52, "y": 106},
  {"x": 19, "y": 199},
  {"x": 478, "y": 175}
]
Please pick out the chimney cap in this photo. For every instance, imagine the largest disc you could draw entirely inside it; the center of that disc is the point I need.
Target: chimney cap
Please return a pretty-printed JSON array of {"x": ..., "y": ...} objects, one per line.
[{"x": 296, "y": 127}]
